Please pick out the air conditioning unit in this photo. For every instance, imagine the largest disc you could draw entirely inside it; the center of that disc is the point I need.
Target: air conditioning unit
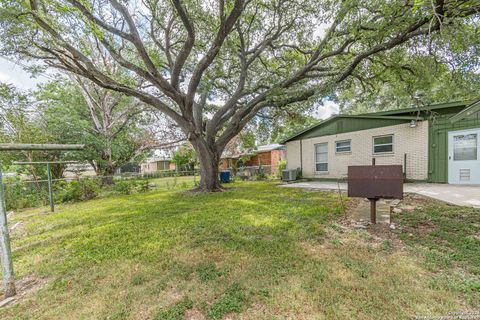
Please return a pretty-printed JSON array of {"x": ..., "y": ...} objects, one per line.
[{"x": 289, "y": 175}]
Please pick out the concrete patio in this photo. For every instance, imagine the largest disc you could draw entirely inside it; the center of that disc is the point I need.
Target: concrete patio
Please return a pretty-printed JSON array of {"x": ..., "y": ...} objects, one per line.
[{"x": 461, "y": 195}]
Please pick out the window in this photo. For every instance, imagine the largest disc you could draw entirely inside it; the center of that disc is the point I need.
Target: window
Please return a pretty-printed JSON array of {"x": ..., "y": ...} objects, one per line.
[
  {"x": 383, "y": 144},
  {"x": 321, "y": 157},
  {"x": 465, "y": 147},
  {"x": 343, "y": 146}
]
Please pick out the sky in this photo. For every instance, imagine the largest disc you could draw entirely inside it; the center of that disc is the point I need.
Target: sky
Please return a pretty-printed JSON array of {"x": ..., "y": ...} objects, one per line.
[
  {"x": 328, "y": 109},
  {"x": 14, "y": 74}
]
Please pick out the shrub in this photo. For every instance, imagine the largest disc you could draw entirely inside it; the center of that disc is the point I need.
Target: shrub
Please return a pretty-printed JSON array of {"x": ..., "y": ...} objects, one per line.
[
  {"x": 282, "y": 165},
  {"x": 78, "y": 190},
  {"x": 20, "y": 194},
  {"x": 261, "y": 174},
  {"x": 144, "y": 185},
  {"x": 125, "y": 186},
  {"x": 130, "y": 186}
]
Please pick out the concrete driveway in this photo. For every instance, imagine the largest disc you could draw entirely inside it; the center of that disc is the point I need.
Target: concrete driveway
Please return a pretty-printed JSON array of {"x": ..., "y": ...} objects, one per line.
[{"x": 460, "y": 195}]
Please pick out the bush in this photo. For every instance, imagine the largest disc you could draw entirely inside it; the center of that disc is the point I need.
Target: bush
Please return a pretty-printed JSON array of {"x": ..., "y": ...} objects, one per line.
[
  {"x": 78, "y": 190},
  {"x": 261, "y": 174},
  {"x": 130, "y": 186},
  {"x": 125, "y": 186},
  {"x": 20, "y": 194},
  {"x": 282, "y": 165}
]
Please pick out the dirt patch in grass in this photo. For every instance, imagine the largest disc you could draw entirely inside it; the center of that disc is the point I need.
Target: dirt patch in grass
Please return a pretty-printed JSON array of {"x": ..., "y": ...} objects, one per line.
[
  {"x": 194, "y": 314},
  {"x": 26, "y": 288},
  {"x": 350, "y": 205},
  {"x": 422, "y": 228}
]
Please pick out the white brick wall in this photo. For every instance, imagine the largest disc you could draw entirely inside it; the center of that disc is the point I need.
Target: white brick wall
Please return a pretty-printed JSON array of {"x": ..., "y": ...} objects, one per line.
[{"x": 412, "y": 141}]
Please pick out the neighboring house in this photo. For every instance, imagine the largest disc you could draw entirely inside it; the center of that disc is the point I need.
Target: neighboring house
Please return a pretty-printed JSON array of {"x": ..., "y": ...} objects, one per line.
[
  {"x": 436, "y": 143},
  {"x": 156, "y": 164},
  {"x": 265, "y": 156},
  {"x": 128, "y": 168},
  {"x": 76, "y": 170},
  {"x": 230, "y": 161}
]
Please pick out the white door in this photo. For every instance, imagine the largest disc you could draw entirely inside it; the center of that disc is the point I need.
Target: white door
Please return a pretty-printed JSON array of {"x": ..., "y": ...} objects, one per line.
[{"x": 464, "y": 156}]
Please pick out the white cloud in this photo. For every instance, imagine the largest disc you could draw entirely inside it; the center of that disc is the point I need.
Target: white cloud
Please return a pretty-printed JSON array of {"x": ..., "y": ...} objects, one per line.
[
  {"x": 326, "y": 110},
  {"x": 4, "y": 77},
  {"x": 13, "y": 73}
]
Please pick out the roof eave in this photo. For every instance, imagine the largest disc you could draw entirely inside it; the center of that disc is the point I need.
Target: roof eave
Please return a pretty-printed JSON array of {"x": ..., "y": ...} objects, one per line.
[
  {"x": 424, "y": 108},
  {"x": 468, "y": 111},
  {"x": 406, "y": 118}
]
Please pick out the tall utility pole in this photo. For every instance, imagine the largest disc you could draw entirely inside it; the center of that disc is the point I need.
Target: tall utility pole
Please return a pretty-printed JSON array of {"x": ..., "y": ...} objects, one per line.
[{"x": 6, "y": 256}]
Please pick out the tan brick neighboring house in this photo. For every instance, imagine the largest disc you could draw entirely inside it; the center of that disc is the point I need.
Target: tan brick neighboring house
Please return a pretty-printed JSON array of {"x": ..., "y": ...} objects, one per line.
[
  {"x": 156, "y": 164},
  {"x": 436, "y": 143}
]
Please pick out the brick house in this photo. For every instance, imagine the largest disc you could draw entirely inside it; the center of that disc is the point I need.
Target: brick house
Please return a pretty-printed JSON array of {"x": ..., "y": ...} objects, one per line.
[
  {"x": 436, "y": 143},
  {"x": 265, "y": 156}
]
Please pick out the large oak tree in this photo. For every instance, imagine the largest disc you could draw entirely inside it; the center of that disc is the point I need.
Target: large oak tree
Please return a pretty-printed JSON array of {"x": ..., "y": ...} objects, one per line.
[{"x": 213, "y": 65}]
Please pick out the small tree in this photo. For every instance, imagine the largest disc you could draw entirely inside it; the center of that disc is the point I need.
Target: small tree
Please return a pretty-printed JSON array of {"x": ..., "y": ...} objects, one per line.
[
  {"x": 20, "y": 123},
  {"x": 185, "y": 158},
  {"x": 116, "y": 129}
]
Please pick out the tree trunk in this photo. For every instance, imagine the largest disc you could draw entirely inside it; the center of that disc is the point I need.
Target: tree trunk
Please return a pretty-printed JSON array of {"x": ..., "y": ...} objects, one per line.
[
  {"x": 209, "y": 159},
  {"x": 107, "y": 174},
  {"x": 108, "y": 169}
]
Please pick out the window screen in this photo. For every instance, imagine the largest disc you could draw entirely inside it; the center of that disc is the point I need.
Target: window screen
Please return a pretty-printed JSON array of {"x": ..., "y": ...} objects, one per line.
[
  {"x": 321, "y": 157},
  {"x": 383, "y": 144},
  {"x": 343, "y": 146},
  {"x": 465, "y": 147}
]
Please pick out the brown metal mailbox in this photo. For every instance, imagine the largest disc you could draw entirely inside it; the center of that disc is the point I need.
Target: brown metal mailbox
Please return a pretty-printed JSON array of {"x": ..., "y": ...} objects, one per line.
[{"x": 374, "y": 182}]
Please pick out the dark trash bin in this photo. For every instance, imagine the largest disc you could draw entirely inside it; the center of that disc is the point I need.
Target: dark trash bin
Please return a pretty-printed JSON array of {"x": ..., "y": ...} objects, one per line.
[{"x": 225, "y": 176}]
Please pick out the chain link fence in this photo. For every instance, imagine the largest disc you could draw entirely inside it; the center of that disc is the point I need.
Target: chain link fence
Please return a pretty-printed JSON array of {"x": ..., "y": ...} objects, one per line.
[{"x": 21, "y": 192}]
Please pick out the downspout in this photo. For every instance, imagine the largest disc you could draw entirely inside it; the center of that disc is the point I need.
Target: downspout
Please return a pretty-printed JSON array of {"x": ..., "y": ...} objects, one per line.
[{"x": 301, "y": 158}]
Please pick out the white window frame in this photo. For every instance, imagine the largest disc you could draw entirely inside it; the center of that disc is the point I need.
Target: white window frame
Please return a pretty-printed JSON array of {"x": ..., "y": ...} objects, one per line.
[
  {"x": 383, "y": 144},
  {"x": 315, "y": 157},
  {"x": 345, "y": 140}
]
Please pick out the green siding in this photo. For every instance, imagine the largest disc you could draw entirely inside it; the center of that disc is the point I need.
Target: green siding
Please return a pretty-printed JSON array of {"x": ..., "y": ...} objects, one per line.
[
  {"x": 342, "y": 125},
  {"x": 439, "y": 126}
]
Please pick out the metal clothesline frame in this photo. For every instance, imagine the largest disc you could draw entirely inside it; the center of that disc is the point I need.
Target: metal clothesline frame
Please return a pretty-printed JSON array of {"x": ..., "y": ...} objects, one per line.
[
  {"x": 49, "y": 175},
  {"x": 5, "y": 248}
]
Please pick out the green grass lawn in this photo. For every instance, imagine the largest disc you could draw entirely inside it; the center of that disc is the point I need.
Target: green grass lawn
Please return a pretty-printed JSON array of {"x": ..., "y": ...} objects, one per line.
[
  {"x": 254, "y": 252},
  {"x": 448, "y": 240}
]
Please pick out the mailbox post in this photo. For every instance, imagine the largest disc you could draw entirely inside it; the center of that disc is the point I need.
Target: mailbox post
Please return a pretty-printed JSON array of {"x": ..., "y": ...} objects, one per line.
[
  {"x": 373, "y": 210},
  {"x": 375, "y": 182}
]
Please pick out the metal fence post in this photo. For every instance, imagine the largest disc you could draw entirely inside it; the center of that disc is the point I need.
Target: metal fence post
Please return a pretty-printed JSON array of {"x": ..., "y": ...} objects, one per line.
[
  {"x": 50, "y": 189},
  {"x": 148, "y": 185},
  {"x": 5, "y": 249}
]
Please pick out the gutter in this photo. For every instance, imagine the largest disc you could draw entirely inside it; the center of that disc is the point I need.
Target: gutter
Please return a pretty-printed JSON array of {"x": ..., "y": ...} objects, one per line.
[{"x": 301, "y": 157}]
